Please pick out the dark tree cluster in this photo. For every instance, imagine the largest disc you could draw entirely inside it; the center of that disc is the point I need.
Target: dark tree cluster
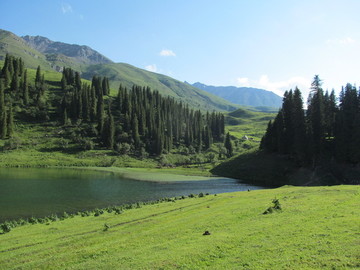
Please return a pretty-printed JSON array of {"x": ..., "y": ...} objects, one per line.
[
  {"x": 18, "y": 94},
  {"x": 81, "y": 100},
  {"x": 137, "y": 119},
  {"x": 160, "y": 123},
  {"x": 326, "y": 129}
]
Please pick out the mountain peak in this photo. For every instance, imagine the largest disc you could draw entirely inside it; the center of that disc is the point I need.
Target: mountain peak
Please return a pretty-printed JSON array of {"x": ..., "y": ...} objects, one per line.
[{"x": 83, "y": 54}]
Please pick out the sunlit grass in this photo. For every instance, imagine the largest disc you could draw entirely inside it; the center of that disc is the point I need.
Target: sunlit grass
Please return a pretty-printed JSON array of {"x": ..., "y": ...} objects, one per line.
[{"x": 318, "y": 228}]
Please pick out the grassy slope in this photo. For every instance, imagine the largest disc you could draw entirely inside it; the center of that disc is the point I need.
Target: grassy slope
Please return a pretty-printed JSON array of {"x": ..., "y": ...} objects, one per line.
[
  {"x": 317, "y": 229},
  {"x": 246, "y": 122},
  {"x": 128, "y": 75}
]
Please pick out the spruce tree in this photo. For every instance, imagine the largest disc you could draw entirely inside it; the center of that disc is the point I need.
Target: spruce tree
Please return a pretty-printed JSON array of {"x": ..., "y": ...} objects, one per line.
[
  {"x": 25, "y": 89},
  {"x": 10, "y": 122},
  {"x": 316, "y": 119},
  {"x": 228, "y": 145},
  {"x": 299, "y": 127},
  {"x": 109, "y": 130},
  {"x": 38, "y": 76},
  {"x": 3, "y": 124}
]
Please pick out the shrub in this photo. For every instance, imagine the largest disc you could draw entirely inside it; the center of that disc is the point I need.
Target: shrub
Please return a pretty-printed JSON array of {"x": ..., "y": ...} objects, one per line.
[
  {"x": 53, "y": 217},
  {"x": 12, "y": 143},
  {"x": 33, "y": 220},
  {"x": 106, "y": 227},
  {"x": 98, "y": 212},
  {"x": 6, "y": 227},
  {"x": 275, "y": 207},
  {"x": 117, "y": 211}
]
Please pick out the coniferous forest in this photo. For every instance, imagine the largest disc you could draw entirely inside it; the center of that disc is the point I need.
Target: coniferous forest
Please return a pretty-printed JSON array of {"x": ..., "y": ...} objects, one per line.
[
  {"x": 137, "y": 120},
  {"x": 329, "y": 129}
]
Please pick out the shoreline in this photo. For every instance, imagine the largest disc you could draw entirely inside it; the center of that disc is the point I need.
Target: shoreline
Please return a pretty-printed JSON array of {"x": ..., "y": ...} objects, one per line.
[{"x": 149, "y": 174}]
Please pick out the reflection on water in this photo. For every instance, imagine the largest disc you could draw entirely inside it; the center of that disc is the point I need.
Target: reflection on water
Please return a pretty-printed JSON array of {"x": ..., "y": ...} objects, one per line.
[{"x": 40, "y": 192}]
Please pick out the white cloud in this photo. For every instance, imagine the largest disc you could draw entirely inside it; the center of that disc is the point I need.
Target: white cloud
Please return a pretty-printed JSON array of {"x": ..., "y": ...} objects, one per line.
[
  {"x": 244, "y": 82},
  {"x": 278, "y": 87},
  {"x": 66, "y": 8},
  {"x": 167, "y": 53},
  {"x": 151, "y": 68},
  {"x": 344, "y": 41}
]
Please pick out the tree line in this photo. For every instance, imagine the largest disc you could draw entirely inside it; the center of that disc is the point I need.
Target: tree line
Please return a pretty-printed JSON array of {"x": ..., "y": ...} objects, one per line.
[{"x": 328, "y": 128}]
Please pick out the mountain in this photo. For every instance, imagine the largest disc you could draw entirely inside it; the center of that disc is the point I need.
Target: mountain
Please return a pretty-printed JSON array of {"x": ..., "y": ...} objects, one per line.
[
  {"x": 52, "y": 55},
  {"x": 83, "y": 54},
  {"x": 246, "y": 96}
]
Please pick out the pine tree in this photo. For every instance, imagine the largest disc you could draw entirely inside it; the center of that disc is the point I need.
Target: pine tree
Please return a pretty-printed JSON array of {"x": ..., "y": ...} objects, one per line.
[
  {"x": 228, "y": 145},
  {"x": 38, "y": 76},
  {"x": 316, "y": 119},
  {"x": 299, "y": 127},
  {"x": 25, "y": 88},
  {"x": 4, "y": 124},
  {"x": 10, "y": 122},
  {"x": 100, "y": 115},
  {"x": 2, "y": 97},
  {"x": 109, "y": 130},
  {"x": 135, "y": 132}
]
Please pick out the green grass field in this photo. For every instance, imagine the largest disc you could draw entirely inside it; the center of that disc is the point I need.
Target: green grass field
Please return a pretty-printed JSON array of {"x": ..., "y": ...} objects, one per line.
[{"x": 318, "y": 228}]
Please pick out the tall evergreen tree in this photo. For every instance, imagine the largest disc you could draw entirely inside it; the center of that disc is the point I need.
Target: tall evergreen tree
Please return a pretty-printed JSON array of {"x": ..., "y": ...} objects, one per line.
[
  {"x": 228, "y": 145},
  {"x": 10, "y": 122},
  {"x": 316, "y": 119},
  {"x": 25, "y": 89},
  {"x": 3, "y": 124}
]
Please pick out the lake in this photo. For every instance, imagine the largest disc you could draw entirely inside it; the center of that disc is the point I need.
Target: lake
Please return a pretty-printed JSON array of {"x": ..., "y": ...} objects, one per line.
[{"x": 26, "y": 192}]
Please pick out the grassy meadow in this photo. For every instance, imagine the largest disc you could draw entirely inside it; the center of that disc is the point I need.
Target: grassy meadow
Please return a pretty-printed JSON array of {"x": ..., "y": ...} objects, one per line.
[{"x": 317, "y": 228}]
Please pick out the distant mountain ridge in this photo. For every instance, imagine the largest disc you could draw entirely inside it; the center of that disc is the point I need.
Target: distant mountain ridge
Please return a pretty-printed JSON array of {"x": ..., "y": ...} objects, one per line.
[
  {"x": 52, "y": 55},
  {"x": 83, "y": 54},
  {"x": 246, "y": 96}
]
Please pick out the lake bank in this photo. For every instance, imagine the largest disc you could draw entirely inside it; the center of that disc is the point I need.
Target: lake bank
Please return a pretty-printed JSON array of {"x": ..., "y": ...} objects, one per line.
[{"x": 154, "y": 174}]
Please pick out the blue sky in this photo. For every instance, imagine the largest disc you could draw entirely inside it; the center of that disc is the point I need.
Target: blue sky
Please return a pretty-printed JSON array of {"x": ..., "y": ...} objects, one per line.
[{"x": 273, "y": 45}]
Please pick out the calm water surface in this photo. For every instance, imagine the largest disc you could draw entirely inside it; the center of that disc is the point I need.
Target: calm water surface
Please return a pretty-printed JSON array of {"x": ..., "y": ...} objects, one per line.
[{"x": 40, "y": 192}]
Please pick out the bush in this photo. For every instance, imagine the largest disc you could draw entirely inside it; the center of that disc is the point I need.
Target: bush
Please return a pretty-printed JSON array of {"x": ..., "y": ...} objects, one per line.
[
  {"x": 87, "y": 144},
  {"x": 106, "y": 227},
  {"x": 275, "y": 207},
  {"x": 53, "y": 217},
  {"x": 33, "y": 220},
  {"x": 98, "y": 212},
  {"x": 6, "y": 227},
  {"x": 117, "y": 211},
  {"x": 12, "y": 143}
]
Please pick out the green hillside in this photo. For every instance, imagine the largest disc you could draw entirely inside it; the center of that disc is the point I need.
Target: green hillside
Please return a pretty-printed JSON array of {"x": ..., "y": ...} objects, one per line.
[
  {"x": 119, "y": 73},
  {"x": 317, "y": 228},
  {"x": 246, "y": 122},
  {"x": 127, "y": 75}
]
